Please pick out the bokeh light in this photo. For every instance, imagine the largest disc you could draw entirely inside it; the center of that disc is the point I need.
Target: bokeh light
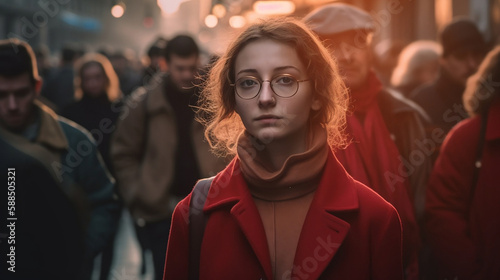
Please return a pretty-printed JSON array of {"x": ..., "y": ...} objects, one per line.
[
  {"x": 219, "y": 10},
  {"x": 237, "y": 21},
  {"x": 211, "y": 21},
  {"x": 118, "y": 10}
]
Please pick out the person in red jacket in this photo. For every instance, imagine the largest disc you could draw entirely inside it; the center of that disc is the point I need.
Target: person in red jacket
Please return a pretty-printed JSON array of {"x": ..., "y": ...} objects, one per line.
[
  {"x": 463, "y": 196},
  {"x": 284, "y": 208}
]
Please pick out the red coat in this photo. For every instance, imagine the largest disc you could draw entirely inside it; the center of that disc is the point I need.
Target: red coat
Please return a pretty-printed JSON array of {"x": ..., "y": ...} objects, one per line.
[
  {"x": 350, "y": 232},
  {"x": 465, "y": 237}
]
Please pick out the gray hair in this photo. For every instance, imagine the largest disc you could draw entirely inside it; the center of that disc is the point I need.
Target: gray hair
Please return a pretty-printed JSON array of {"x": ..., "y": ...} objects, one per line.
[{"x": 412, "y": 58}]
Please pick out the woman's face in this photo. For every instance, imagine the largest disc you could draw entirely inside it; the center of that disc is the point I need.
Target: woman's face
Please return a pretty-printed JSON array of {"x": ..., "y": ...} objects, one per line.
[
  {"x": 94, "y": 81},
  {"x": 268, "y": 116}
]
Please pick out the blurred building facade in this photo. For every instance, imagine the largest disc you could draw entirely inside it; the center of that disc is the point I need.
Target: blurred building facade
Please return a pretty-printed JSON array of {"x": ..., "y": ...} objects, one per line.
[{"x": 213, "y": 22}]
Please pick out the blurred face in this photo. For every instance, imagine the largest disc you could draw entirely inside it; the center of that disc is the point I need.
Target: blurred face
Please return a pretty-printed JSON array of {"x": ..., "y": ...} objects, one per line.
[
  {"x": 183, "y": 70},
  {"x": 353, "y": 56},
  {"x": 427, "y": 72},
  {"x": 268, "y": 116},
  {"x": 460, "y": 66},
  {"x": 16, "y": 101},
  {"x": 94, "y": 81}
]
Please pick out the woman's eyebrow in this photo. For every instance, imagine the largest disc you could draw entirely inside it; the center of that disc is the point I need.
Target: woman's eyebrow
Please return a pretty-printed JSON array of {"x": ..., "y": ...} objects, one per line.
[
  {"x": 286, "y": 67},
  {"x": 247, "y": 70},
  {"x": 281, "y": 68}
]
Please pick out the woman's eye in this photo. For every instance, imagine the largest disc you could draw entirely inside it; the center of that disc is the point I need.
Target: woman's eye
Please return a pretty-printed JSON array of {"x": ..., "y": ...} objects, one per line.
[
  {"x": 248, "y": 83},
  {"x": 285, "y": 80}
]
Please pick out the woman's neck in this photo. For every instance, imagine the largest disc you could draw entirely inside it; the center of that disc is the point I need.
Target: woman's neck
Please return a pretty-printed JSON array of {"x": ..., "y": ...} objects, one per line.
[{"x": 276, "y": 152}]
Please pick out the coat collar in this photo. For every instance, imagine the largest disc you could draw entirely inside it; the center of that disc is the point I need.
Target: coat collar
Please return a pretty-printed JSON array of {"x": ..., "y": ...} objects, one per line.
[
  {"x": 322, "y": 232},
  {"x": 157, "y": 101},
  {"x": 50, "y": 132}
]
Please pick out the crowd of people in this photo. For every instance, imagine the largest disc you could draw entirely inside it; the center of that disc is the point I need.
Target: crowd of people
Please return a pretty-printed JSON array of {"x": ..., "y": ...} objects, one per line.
[{"x": 323, "y": 162}]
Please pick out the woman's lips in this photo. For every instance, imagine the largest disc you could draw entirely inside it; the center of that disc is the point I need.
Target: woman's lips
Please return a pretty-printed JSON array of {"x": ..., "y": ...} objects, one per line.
[{"x": 267, "y": 118}]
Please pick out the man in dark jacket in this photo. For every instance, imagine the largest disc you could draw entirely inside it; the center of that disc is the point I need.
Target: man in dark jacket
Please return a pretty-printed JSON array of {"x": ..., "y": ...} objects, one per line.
[
  {"x": 56, "y": 162},
  {"x": 463, "y": 51},
  {"x": 385, "y": 128}
]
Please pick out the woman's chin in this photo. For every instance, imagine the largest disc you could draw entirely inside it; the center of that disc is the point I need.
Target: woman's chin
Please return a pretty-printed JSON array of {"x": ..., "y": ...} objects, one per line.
[{"x": 269, "y": 135}]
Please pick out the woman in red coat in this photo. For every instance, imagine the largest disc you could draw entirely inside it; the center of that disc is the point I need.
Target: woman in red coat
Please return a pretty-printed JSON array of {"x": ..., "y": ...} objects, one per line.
[
  {"x": 463, "y": 196},
  {"x": 284, "y": 208}
]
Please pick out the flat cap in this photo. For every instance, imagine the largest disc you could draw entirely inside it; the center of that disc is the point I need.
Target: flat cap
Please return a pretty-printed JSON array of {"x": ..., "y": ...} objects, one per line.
[{"x": 337, "y": 18}]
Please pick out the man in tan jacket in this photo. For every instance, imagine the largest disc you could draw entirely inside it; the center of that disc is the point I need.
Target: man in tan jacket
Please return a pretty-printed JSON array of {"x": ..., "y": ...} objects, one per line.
[{"x": 158, "y": 149}]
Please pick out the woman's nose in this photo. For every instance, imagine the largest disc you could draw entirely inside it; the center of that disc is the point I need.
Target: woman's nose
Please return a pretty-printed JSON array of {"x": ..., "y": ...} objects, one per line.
[{"x": 266, "y": 96}]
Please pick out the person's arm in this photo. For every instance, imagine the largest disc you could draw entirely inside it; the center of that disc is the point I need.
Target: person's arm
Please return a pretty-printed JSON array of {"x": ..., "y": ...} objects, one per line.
[
  {"x": 127, "y": 148},
  {"x": 447, "y": 207},
  {"x": 177, "y": 258},
  {"x": 386, "y": 242},
  {"x": 92, "y": 175}
]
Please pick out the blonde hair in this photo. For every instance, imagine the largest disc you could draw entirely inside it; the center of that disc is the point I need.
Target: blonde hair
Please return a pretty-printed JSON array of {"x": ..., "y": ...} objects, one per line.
[
  {"x": 113, "y": 85},
  {"x": 217, "y": 101}
]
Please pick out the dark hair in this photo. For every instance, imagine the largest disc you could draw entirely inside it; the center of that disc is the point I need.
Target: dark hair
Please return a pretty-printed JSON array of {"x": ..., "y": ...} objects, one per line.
[
  {"x": 181, "y": 45},
  {"x": 217, "y": 103},
  {"x": 17, "y": 58},
  {"x": 157, "y": 48}
]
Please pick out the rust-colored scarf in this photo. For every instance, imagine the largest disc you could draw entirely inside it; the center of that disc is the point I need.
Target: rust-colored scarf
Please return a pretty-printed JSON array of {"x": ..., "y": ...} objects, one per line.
[{"x": 297, "y": 175}]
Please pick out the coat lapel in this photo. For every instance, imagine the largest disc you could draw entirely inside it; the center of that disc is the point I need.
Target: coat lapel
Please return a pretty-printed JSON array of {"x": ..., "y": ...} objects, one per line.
[
  {"x": 229, "y": 187},
  {"x": 323, "y": 232},
  {"x": 248, "y": 218}
]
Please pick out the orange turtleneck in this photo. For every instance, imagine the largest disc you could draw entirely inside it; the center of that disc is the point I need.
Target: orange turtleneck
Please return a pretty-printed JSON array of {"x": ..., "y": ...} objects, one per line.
[{"x": 283, "y": 197}]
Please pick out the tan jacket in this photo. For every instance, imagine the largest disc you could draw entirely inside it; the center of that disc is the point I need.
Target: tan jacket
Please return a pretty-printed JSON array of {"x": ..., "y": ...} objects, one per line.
[{"x": 143, "y": 152}]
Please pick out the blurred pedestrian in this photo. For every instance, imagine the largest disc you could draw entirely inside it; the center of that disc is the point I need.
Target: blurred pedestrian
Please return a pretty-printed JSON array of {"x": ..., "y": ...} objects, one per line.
[
  {"x": 97, "y": 107},
  {"x": 42, "y": 54},
  {"x": 129, "y": 78},
  {"x": 58, "y": 87},
  {"x": 284, "y": 208},
  {"x": 156, "y": 60},
  {"x": 418, "y": 65},
  {"x": 383, "y": 126},
  {"x": 158, "y": 149},
  {"x": 58, "y": 158},
  {"x": 463, "y": 50},
  {"x": 463, "y": 198}
]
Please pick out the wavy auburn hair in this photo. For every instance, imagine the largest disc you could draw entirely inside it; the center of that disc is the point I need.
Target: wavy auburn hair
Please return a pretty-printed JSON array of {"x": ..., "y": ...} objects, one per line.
[{"x": 217, "y": 101}]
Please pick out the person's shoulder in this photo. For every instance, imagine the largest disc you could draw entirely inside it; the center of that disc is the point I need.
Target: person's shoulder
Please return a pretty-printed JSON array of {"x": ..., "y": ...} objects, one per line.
[
  {"x": 393, "y": 102},
  {"x": 370, "y": 200},
  {"x": 465, "y": 134},
  {"x": 73, "y": 131},
  {"x": 423, "y": 93}
]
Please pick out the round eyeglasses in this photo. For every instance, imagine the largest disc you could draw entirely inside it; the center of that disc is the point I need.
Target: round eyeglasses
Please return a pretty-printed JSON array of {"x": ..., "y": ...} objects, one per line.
[{"x": 284, "y": 85}]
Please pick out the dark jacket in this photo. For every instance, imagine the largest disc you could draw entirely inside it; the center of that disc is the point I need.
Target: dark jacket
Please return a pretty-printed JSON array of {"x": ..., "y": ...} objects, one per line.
[
  {"x": 69, "y": 155},
  {"x": 350, "y": 232},
  {"x": 442, "y": 101},
  {"x": 406, "y": 122}
]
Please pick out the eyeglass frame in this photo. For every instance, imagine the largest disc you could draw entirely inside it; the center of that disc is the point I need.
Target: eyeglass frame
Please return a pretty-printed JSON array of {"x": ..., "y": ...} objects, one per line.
[{"x": 261, "y": 82}]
